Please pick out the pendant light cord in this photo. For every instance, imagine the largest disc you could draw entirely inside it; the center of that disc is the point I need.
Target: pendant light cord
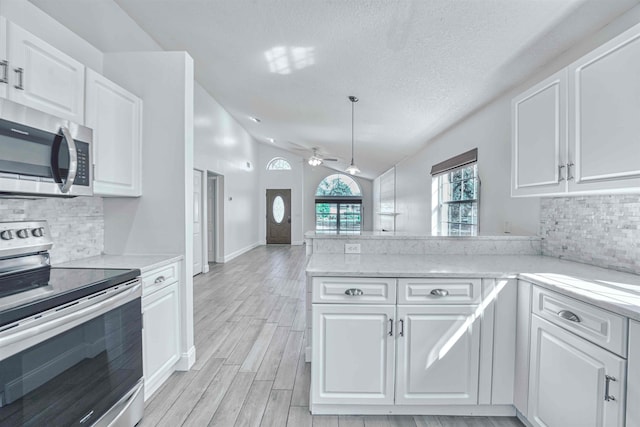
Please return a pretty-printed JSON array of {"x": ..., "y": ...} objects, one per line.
[{"x": 352, "y": 122}]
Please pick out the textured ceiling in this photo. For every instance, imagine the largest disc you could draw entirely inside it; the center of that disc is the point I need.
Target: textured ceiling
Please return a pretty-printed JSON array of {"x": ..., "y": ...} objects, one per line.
[{"x": 417, "y": 66}]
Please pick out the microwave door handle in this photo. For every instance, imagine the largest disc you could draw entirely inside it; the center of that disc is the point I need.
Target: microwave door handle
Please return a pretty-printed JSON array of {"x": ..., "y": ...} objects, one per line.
[{"x": 73, "y": 160}]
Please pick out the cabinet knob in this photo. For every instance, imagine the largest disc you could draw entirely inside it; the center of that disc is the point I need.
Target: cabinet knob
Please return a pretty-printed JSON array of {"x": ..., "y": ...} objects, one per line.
[
  {"x": 353, "y": 292},
  {"x": 439, "y": 292}
]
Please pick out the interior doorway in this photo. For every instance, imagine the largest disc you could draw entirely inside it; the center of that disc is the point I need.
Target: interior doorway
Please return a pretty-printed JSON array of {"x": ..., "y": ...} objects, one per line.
[
  {"x": 197, "y": 222},
  {"x": 279, "y": 216},
  {"x": 214, "y": 219},
  {"x": 212, "y": 181}
]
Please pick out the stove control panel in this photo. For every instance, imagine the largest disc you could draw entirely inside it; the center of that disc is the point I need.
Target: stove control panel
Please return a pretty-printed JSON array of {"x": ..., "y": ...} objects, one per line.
[{"x": 23, "y": 237}]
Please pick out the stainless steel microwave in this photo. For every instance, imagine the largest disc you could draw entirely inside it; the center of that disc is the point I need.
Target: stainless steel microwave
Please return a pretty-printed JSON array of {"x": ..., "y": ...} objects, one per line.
[{"x": 43, "y": 155}]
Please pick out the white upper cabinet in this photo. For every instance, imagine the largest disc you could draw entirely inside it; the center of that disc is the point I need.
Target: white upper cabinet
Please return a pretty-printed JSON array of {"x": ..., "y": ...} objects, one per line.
[
  {"x": 605, "y": 129},
  {"x": 539, "y": 136},
  {"x": 115, "y": 116},
  {"x": 42, "y": 77},
  {"x": 576, "y": 132},
  {"x": 4, "y": 61}
]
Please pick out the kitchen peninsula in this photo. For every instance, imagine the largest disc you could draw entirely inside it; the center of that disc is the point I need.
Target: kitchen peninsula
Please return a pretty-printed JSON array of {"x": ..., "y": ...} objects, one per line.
[{"x": 469, "y": 326}]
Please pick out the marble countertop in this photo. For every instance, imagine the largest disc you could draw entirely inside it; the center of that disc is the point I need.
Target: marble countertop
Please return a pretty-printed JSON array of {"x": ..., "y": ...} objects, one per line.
[
  {"x": 142, "y": 262},
  {"x": 609, "y": 289},
  {"x": 374, "y": 235}
]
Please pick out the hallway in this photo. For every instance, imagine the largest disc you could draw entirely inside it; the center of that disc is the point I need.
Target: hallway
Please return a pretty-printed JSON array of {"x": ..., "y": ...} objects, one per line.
[{"x": 250, "y": 369}]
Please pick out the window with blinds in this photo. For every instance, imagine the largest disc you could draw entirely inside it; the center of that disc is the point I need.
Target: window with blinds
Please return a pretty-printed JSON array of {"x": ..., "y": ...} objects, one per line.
[{"x": 456, "y": 195}]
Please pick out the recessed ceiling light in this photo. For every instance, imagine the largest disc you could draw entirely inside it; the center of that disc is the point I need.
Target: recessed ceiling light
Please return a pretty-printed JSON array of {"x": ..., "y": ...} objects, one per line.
[
  {"x": 254, "y": 119},
  {"x": 271, "y": 140}
]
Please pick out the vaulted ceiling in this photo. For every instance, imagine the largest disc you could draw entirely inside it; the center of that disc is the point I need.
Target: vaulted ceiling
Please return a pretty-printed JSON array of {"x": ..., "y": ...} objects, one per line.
[{"x": 418, "y": 66}]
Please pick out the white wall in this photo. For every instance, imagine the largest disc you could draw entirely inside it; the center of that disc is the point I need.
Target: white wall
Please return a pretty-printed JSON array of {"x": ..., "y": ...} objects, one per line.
[
  {"x": 312, "y": 178},
  {"x": 488, "y": 129},
  {"x": 161, "y": 220},
  {"x": 222, "y": 146},
  {"x": 292, "y": 179}
]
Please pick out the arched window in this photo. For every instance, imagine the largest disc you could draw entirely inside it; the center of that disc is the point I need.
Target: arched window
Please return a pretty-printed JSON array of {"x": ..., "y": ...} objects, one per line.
[
  {"x": 338, "y": 205},
  {"x": 278, "y": 164},
  {"x": 338, "y": 185}
]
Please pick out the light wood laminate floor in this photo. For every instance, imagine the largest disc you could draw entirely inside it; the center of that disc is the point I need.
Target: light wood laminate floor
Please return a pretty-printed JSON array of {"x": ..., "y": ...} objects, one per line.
[{"x": 250, "y": 370}]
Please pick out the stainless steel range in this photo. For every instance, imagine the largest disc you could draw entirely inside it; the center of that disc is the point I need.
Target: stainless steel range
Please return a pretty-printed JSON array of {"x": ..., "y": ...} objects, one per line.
[{"x": 70, "y": 339}]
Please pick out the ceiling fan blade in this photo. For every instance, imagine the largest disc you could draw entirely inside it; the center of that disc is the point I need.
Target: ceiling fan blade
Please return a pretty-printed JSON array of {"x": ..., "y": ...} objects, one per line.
[{"x": 329, "y": 160}]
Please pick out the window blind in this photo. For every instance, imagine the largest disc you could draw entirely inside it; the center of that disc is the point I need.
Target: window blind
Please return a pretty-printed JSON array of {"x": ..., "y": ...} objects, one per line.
[{"x": 455, "y": 162}]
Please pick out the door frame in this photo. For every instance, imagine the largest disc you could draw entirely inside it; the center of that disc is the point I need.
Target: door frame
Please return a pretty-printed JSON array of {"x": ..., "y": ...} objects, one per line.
[{"x": 203, "y": 227}]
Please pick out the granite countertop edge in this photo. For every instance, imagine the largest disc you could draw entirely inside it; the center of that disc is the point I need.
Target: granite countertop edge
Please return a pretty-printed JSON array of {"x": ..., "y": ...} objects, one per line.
[{"x": 143, "y": 262}]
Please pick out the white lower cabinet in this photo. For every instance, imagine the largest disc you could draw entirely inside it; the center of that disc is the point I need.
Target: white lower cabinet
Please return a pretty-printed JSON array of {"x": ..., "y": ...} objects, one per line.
[
  {"x": 354, "y": 353},
  {"x": 397, "y": 358},
  {"x": 572, "y": 381},
  {"x": 160, "y": 336},
  {"x": 438, "y": 355}
]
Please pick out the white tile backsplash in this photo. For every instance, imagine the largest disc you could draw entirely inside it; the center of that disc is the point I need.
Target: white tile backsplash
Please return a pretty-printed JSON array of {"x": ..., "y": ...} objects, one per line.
[
  {"x": 76, "y": 224},
  {"x": 599, "y": 230}
]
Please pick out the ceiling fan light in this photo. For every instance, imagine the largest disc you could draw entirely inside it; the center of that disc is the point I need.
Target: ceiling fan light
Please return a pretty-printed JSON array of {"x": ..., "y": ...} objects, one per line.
[{"x": 315, "y": 161}]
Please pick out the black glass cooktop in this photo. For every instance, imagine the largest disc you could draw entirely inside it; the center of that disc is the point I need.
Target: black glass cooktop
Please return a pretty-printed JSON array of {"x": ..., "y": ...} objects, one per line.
[{"x": 25, "y": 294}]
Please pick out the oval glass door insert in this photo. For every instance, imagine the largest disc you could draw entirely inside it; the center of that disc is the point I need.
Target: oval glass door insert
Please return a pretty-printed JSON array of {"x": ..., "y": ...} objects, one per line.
[{"x": 278, "y": 209}]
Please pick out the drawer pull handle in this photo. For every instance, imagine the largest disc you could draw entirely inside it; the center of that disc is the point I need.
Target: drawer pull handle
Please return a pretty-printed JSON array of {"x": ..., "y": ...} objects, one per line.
[
  {"x": 401, "y": 327},
  {"x": 353, "y": 292},
  {"x": 567, "y": 315},
  {"x": 439, "y": 292},
  {"x": 390, "y": 327},
  {"x": 607, "y": 396},
  {"x": 159, "y": 279}
]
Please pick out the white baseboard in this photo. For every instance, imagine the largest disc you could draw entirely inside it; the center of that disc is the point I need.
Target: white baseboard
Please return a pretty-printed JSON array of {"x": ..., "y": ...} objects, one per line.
[
  {"x": 262, "y": 243},
  {"x": 187, "y": 360},
  {"x": 239, "y": 252},
  {"x": 205, "y": 268},
  {"x": 297, "y": 243},
  {"x": 307, "y": 354}
]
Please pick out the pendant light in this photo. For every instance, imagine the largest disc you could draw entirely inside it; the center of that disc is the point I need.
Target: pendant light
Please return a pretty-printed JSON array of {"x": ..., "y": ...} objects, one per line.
[{"x": 352, "y": 169}]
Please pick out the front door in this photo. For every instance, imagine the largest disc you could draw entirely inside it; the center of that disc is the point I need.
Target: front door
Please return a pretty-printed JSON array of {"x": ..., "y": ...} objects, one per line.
[{"x": 279, "y": 216}]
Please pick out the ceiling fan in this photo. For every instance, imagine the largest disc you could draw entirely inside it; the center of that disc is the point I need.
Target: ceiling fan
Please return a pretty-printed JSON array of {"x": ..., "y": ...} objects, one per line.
[{"x": 316, "y": 160}]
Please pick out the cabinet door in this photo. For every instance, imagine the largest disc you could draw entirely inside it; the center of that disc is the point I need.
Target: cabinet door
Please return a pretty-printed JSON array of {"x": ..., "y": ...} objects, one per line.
[
  {"x": 438, "y": 355},
  {"x": 605, "y": 94},
  {"x": 568, "y": 380},
  {"x": 539, "y": 138},
  {"x": 44, "y": 78},
  {"x": 114, "y": 115},
  {"x": 353, "y": 354},
  {"x": 160, "y": 336},
  {"x": 4, "y": 60}
]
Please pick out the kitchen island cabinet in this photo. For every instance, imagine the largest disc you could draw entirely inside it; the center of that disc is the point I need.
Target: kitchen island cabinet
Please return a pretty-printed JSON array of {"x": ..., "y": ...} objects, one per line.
[{"x": 554, "y": 367}]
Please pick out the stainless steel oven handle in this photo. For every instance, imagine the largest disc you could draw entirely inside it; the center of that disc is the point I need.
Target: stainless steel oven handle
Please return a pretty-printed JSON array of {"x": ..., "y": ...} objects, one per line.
[
  {"x": 63, "y": 323},
  {"x": 73, "y": 160}
]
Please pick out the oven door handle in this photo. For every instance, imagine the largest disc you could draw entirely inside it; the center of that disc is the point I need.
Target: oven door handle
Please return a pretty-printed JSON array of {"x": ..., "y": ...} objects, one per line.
[{"x": 34, "y": 331}]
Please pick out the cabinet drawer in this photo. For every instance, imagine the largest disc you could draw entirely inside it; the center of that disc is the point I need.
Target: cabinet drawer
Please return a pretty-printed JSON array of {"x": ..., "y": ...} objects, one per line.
[
  {"x": 439, "y": 291},
  {"x": 602, "y": 327},
  {"x": 354, "y": 290},
  {"x": 160, "y": 277}
]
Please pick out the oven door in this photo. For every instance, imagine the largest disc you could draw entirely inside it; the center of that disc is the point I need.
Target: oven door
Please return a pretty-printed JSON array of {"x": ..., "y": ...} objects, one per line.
[
  {"x": 71, "y": 365},
  {"x": 42, "y": 154}
]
